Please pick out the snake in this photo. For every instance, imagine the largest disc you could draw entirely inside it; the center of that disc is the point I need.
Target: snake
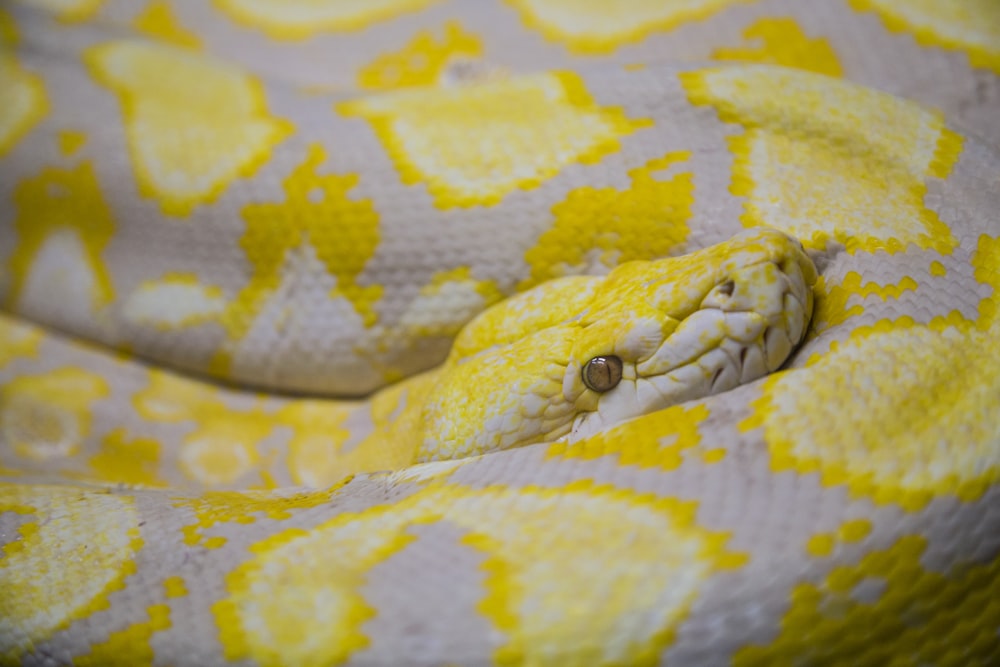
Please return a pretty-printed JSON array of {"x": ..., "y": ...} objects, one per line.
[{"x": 510, "y": 332}]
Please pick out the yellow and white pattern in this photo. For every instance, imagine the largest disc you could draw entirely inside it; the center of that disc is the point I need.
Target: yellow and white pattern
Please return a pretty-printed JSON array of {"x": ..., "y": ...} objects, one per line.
[{"x": 300, "y": 302}]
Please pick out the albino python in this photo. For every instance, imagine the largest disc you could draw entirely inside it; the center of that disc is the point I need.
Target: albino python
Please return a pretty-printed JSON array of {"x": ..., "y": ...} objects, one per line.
[{"x": 222, "y": 225}]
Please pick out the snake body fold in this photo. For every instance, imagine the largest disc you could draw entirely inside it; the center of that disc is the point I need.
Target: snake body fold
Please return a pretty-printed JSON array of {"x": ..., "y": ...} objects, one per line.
[{"x": 562, "y": 254}]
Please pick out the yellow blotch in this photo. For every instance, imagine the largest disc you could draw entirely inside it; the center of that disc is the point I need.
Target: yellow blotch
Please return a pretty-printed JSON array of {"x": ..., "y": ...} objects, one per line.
[
  {"x": 472, "y": 145},
  {"x": 422, "y": 61},
  {"x": 661, "y": 439},
  {"x": 63, "y": 225},
  {"x": 505, "y": 409},
  {"x": 314, "y": 611},
  {"x": 938, "y": 269},
  {"x": 8, "y": 31},
  {"x": 70, "y": 141},
  {"x": 193, "y": 124},
  {"x": 122, "y": 461},
  {"x": 827, "y": 160},
  {"x": 970, "y": 26},
  {"x": 131, "y": 645},
  {"x": 445, "y": 304},
  {"x": 854, "y": 530},
  {"x": 899, "y": 413},
  {"x": 831, "y": 307},
  {"x": 913, "y": 618},
  {"x": 175, "y": 301},
  {"x": 315, "y": 451},
  {"x": 93, "y": 537},
  {"x": 548, "y": 305},
  {"x": 300, "y": 19},
  {"x": 823, "y": 544},
  {"x": 783, "y": 42},
  {"x": 157, "y": 20},
  {"x": 317, "y": 211},
  {"x": 217, "y": 507},
  {"x": 222, "y": 447},
  {"x": 601, "y": 26},
  {"x": 18, "y": 340},
  {"x": 23, "y": 102},
  {"x": 47, "y": 416},
  {"x": 986, "y": 266},
  {"x": 605, "y": 226},
  {"x": 711, "y": 456},
  {"x": 174, "y": 587}
]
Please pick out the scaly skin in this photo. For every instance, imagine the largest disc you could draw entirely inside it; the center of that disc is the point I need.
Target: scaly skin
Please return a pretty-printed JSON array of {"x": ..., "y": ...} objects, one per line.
[
  {"x": 218, "y": 221},
  {"x": 684, "y": 328}
]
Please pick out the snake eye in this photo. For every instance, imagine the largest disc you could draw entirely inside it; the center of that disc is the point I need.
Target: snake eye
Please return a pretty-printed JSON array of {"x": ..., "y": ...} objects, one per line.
[{"x": 602, "y": 373}]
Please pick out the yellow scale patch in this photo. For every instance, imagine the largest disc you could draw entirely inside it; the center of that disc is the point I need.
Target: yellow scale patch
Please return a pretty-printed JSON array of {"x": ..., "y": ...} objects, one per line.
[
  {"x": 831, "y": 307},
  {"x": 646, "y": 221},
  {"x": 93, "y": 537},
  {"x": 71, "y": 141},
  {"x": 316, "y": 455},
  {"x": 970, "y": 26},
  {"x": 824, "y": 160},
  {"x": 300, "y": 19},
  {"x": 193, "y": 124},
  {"x": 540, "y": 580},
  {"x": 899, "y": 448},
  {"x": 275, "y": 230},
  {"x": 63, "y": 225},
  {"x": 216, "y": 507},
  {"x": 158, "y": 21},
  {"x": 824, "y": 544},
  {"x": 675, "y": 429},
  {"x": 224, "y": 445},
  {"x": 46, "y": 416},
  {"x": 123, "y": 461},
  {"x": 23, "y": 102},
  {"x": 600, "y": 26},
  {"x": 17, "y": 340},
  {"x": 422, "y": 61},
  {"x": 446, "y": 303},
  {"x": 472, "y": 145},
  {"x": 175, "y": 301},
  {"x": 783, "y": 42},
  {"x": 914, "y": 619},
  {"x": 129, "y": 646}
]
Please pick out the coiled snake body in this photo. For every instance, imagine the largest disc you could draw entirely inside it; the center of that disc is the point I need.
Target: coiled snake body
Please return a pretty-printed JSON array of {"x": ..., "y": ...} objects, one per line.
[{"x": 221, "y": 221}]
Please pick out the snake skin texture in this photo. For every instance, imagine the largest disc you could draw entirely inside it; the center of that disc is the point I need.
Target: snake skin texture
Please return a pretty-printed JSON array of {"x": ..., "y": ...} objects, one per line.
[{"x": 224, "y": 224}]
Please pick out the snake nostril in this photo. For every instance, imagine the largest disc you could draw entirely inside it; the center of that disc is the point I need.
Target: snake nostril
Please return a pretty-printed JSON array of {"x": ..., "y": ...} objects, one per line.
[
  {"x": 602, "y": 373},
  {"x": 727, "y": 288}
]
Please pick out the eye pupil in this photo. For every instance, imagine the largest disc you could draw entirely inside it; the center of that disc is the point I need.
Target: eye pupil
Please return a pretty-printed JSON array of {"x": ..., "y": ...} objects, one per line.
[{"x": 602, "y": 373}]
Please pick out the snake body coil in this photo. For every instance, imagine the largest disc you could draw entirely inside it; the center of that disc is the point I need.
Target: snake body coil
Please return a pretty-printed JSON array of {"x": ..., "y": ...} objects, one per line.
[{"x": 474, "y": 333}]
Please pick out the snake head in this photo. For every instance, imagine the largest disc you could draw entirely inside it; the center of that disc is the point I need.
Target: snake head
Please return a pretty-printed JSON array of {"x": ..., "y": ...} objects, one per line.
[
  {"x": 690, "y": 327},
  {"x": 577, "y": 355}
]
